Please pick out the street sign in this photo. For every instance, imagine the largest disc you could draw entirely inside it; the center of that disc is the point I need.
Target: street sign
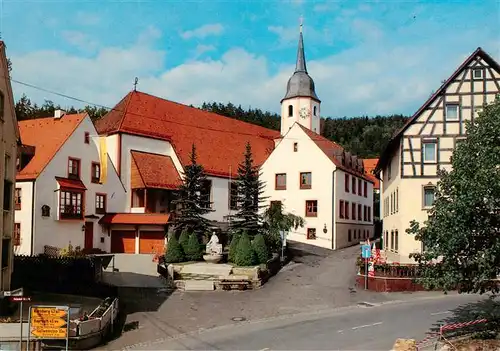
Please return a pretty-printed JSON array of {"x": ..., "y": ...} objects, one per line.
[
  {"x": 366, "y": 251},
  {"x": 49, "y": 322},
  {"x": 20, "y": 298}
]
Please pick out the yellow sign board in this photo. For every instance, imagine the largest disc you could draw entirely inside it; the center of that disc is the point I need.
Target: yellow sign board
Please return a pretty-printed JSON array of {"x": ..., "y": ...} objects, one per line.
[{"x": 49, "y": 322}]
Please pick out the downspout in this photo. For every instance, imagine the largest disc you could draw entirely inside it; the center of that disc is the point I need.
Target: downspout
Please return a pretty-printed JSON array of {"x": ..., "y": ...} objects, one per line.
[
  {"x": 32, "y": 217},
  {"x": 334, "y": 227}
]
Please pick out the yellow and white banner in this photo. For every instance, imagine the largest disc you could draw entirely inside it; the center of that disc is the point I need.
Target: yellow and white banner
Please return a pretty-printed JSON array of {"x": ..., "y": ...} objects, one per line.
[{"x": 104, "y": 158}]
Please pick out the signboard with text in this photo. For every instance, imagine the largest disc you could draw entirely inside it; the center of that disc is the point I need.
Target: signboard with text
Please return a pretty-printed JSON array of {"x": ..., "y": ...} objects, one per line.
[
  {"x": 366, "y": 251},
  {"x": 49, "y": 322}
]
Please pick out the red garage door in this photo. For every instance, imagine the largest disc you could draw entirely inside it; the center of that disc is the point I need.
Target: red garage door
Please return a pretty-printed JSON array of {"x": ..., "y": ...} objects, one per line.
[
  {"x": 123, "y": 241},
  {"x": 152, "y": 242}
]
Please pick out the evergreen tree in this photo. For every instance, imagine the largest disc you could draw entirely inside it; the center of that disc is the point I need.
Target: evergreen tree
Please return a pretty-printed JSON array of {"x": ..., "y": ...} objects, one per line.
[
  {"x": 250, "y": 201},
  {"x": 174, "y": 253},
  {"x": 245, "y": 255},
  {"x": 260, "y": 248},
  {"x": 233, "y": 248},
  {"x": 190, "y": 202},
  {"x": 193, "y": 249},
  {"x": 183, "y": 239}
]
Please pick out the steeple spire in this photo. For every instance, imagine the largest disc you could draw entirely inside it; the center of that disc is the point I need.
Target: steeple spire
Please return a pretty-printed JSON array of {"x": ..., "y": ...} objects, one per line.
[{"x": 300, "y": 66}]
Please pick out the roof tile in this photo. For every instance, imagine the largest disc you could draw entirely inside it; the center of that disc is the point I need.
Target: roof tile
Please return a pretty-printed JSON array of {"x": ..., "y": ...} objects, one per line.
[
  {"x": 157, "y": 171},
  {"x": 135, "y": 218}
]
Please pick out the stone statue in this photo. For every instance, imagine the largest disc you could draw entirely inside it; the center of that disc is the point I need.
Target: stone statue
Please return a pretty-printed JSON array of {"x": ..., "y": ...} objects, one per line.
[{"x": 213, "y": 246}]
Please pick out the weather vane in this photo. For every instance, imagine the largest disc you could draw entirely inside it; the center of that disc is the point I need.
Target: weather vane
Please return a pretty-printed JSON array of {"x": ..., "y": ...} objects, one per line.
[
  {"x": 135, "y": 83},
  {"x": 301, "y": 22}
]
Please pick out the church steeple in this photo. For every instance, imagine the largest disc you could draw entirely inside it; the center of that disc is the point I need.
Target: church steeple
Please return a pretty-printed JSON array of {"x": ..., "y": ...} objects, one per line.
[{"x": 300, "y": 66}]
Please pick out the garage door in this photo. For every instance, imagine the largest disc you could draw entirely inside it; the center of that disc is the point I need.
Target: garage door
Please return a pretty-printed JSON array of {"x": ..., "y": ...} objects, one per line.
[
  {"x": 123, "y": 241},
  {"x": 152, "y": 242}
]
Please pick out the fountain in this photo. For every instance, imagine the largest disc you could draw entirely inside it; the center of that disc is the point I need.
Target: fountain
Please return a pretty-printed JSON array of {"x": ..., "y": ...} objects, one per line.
[{"x": 213, "y": 250}]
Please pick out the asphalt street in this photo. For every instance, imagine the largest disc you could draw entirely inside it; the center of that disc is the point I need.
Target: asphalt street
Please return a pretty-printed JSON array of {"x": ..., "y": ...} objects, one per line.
[{"x": 350, "y": 328}]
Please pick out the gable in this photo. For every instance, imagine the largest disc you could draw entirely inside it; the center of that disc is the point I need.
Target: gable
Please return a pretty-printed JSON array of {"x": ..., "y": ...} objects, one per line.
[{"x": 10, "y": 122}]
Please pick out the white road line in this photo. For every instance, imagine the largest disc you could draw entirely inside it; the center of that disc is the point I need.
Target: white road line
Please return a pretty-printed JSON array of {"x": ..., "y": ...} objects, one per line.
[
  {"x": 340, "y": 331},
  {"x": 437, "y": 313},
  {"x": 366, "y": 326}
]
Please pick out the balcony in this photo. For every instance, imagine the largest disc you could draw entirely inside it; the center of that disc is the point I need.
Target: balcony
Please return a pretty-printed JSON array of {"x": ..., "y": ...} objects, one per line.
[{"x": 146, "y": 200}]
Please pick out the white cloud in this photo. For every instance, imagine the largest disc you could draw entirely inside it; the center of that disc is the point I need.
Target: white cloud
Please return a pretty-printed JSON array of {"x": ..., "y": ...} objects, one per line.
[
  {"x": 201, "y": 49},
  {"x": 203, "y": 31},
  {"x": 372, "y": 78},
  {"x": 79, "y": 40}
]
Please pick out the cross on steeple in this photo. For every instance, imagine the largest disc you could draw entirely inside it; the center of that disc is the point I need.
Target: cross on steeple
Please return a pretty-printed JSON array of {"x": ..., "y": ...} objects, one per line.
[
  {"x": 301, "y": 23},
  {"x": 135, "y": 83}
]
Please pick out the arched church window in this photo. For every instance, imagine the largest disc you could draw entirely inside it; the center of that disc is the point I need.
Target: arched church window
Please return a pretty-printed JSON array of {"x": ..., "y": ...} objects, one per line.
[
  {"x": 314, "y": 110},
  {"x": 290, "y": 111}
]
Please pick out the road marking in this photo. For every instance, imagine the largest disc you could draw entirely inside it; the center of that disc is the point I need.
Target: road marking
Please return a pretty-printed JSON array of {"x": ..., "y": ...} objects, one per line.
[
  {"x": 366, "y": 326},
  {"x": 340, "y": 331},
  {"x": 266, "y": 349},
  {"x": 437, "y": 313}
]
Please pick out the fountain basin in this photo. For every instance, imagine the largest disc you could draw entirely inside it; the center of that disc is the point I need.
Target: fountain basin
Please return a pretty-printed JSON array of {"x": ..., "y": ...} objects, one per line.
[{"x": 212, "y": 258}]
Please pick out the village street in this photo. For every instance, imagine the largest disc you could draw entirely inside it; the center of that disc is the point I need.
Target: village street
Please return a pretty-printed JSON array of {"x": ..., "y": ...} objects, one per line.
[{"x": 314, "y": 284}]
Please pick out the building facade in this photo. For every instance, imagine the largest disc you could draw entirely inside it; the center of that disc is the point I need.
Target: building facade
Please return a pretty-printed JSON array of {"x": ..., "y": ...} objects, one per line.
[
  {"x": 408, "y": 167},
  {"x": 64, "y": 185},
  {"x": 313, "y": 177},
  {"x": 8, "y": 151}
]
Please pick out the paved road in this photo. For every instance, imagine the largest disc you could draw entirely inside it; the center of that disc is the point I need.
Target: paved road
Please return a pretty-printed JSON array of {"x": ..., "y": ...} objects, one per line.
[{"x": 351, "y": 328}]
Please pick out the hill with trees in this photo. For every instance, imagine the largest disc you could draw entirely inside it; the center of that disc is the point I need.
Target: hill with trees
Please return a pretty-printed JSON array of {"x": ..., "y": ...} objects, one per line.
[{"x": 364, "y": 136}]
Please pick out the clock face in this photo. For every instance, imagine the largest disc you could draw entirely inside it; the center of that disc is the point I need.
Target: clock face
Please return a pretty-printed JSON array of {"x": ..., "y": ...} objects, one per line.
[{"x": 304, "y": 112}]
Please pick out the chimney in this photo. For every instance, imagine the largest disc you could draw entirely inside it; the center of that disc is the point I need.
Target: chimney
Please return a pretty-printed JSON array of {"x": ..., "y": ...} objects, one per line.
[{"x": 59, "y": 114}]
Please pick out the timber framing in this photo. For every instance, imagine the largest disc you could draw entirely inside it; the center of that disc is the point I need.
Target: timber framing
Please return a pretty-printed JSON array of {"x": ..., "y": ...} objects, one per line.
[{"x": 441, "y": 119}]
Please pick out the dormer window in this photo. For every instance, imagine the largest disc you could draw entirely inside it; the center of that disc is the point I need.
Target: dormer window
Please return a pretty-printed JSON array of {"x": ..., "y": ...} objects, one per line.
[
  {"x": 290, "y": 111},
  {"x": 477, "y": 73}
]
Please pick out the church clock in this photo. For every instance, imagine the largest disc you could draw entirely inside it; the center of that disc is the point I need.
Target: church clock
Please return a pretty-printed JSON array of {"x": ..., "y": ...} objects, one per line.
[{"x": 304, "y": 112}]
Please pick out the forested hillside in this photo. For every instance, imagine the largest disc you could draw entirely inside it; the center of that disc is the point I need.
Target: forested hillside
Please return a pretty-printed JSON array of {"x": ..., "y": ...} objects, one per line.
[{"x": 364, "y": 136}]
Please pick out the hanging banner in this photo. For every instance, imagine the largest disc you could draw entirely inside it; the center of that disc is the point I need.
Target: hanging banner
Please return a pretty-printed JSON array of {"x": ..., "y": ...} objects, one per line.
[{"x": 104, "y": 159}]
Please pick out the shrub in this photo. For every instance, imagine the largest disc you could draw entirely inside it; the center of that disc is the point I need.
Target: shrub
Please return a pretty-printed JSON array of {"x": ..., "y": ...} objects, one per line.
[
  {"x": 245, "y": 255},
  {"x": 233, "y": 248},
  {"x": 193, "y": 252},
  {"x": 183, "y": 240},
  {"x": 260, "y": 248},
  {"x": 174, "y": 252}
]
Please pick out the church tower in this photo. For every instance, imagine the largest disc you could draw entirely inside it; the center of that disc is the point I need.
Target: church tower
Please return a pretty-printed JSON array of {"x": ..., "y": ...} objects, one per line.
[{"x": 300, "y": 104}]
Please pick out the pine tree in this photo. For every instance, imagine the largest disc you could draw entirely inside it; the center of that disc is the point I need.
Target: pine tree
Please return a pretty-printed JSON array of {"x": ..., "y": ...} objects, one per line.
[
  {"x": 174, "y": 253},
  {"x": 245, "y": 254},
  {"x": 193, "y": 249},
  {"x": 183, "y": 239},
  {"x": 260, "y": 248},
  {"x": 233, "y": 248},
  {"x": 191, "y": 205},
  {"x": 250, "y": 201}
]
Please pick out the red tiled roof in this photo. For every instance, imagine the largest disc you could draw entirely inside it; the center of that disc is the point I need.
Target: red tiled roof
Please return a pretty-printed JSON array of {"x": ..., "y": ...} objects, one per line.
[
  {"x": 221, "y": 140},
  {"x": 156, "y": 171},
  {"x": 331, "y": 148},
  {"x": 370, "y": 164},
  {"x": 71, "y": 183},
  {"x": 135, "y": 218},
  {"x": 47, "y": 135}
]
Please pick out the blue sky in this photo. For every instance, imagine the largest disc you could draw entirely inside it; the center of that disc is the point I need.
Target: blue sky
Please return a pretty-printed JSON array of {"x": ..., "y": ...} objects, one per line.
[{"x": 366, "y": 57}]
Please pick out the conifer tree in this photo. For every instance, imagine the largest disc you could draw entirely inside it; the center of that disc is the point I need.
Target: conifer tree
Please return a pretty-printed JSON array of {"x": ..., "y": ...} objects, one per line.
[
  {"x": 191, "y": 205},
  {"x": 248, "y": 217}
]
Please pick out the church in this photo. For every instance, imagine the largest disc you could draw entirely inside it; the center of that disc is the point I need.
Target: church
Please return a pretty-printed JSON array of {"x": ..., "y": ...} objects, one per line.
[{"x": 314, "y": 177}]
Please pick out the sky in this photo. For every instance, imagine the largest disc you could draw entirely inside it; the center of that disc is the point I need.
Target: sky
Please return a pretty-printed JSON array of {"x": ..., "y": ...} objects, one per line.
[{"x": 366, "y": 57}]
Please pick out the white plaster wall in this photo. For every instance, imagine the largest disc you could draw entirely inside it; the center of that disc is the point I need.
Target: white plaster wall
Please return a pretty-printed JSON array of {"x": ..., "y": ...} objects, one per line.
[
  {"x": 23, "y": 217},
  {"x": 220, "y": 199},
  {"x": 312, "y": 122},
  {"x": 308, "y": 158},
  {"x": 60, "y": 233}
]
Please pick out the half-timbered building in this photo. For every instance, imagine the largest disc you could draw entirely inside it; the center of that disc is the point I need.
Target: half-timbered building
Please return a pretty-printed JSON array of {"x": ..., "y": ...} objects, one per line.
[{"x": 408, "y": 167}]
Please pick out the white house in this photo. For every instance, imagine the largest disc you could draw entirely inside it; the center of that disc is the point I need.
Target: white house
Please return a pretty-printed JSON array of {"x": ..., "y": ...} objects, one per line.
[
  {"x": 314, "y": 177},
  {"x": 150, "y": 140},
  {"x": 64, "y": 185}
]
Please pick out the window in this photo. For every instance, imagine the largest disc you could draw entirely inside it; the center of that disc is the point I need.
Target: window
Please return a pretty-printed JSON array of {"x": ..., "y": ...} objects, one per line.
[
  {"x": 95, "y": 172},
  {"x": 366, "y": 189},
  {"x": 386, "y": 239},
  {"x": 295, "y": 147},
  {"x": 314, "y": 110},
  {"x": 390, "y": 203},
  {"x": 71, "y": 205},
  {"x": 6, "y": 249},
  {"x": 355, "y": 234},
  {"x": 346, "y": 209},
  {"x": 17, "y": 234},
  {"x": 2, "y": 106},
  {"x": 429, "y": 151},
  {"x": 7, "y": 171},
  {"x": 369, "y": 214},
  {"x": 206, "y": 194},
  {"x": 397, "y": 199},
  {"x": 233, "y": 196},
  {"x": 73, "y": 168},
  {"x": 280, "y": 181},
  {"x": 311, "y": 233},
  {"x": 45, "y": 211},
  {"x": 290, "y": 111},
  {"x": 100, "y": 203},
  {"x": 86, "y": 138},
  {"x": 353, "y": 211},
  {"x": 353, "y": 185},
  {"x": 396, "y": 240},
  {"x": 341, "y": 209},
  {"x": 392, "y": 240},
  {"x": 477, "y": 73},
  {"x": 451, "y": 113},
  {"x": 346, "y": 182},
  {"x": 7, "y": 195},
  {"x": 429, "y": 194},
  {"x": 17, "y": 199},
  {"x": 311, "y": 208},
  {"x": 360, "y": 210},
  {"x": 365, "y": 213},
  {"x": 360, "y": 187},
  {"x": 349, "y": 238},
  {"x": 305, "y": 180}
]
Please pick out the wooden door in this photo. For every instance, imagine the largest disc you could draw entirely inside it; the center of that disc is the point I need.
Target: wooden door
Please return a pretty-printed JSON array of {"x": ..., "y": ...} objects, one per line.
[{"x": 89, "y": 235}]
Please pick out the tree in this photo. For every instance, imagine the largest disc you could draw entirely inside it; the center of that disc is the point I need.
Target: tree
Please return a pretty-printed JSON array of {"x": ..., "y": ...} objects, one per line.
[
  {"x": 275, "y": 220},
  {"x": 260, "y": 248},
  {"x": 174, "y": 253},
  {"x": 233, "y": 248},
  {"x": 183, "y": 239},
  {"x": 193, "y": 249},
  {"x": 245, "y": 255},
  {"x": 461, "y": 238},
  {"x": 192, "y": 204}
]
